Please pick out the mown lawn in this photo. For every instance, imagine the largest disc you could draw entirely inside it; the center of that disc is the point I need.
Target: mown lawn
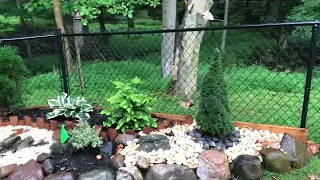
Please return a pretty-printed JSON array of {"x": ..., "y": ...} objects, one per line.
[{"x": 256, "y": 94}]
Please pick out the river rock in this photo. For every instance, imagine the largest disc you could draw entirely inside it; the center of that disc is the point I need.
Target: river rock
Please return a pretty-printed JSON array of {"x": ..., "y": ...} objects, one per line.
[
  {"x": 117, "y": 161},
  {"x": 170, "y": 171},
  {"x": 61, "y": 175},
  {"x": 143, "y": 163},
  {"x": 98, "y": 174},
  {"x": 213, "y": 164},
  {"x": 124, "y": 138},
  {"x": 247, "y": 167},
  {"x": 48, "y": 166},
  {"x": 153, "y": 142},
  {"x": 30, "y": 170},
  {"x": 56, "y": 148},
  {"x": 107, "y": 149},
  {"x": 296, "y": 151},
  {"x": 275, "y": 160},
  {"x": 9, "y": 142},
  {"x": 129, "y": 173},
  {"x": 43, "y": 156},
  {"x": 24, "y": 143},
  {"x": 5, "y": 171}
]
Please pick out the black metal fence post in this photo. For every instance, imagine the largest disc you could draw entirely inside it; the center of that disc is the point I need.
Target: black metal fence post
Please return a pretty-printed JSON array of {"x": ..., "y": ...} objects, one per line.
[
  {"x": 311, "y": 61},
  {"x": 63, "y": 63}
]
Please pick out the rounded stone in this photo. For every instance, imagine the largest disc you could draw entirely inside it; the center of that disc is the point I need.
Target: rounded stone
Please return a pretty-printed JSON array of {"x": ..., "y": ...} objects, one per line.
[
  {"x": 5, "y": 171},
  {"x": 247, "y": 167},
  {"x": 48, "y": 166},
  {"x": 143, "y": 163},
  {"x": 117, "y": 161}
]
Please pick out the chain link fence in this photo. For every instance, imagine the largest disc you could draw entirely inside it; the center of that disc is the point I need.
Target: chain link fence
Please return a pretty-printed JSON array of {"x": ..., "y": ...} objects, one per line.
[{"x": 265, "y": 69}]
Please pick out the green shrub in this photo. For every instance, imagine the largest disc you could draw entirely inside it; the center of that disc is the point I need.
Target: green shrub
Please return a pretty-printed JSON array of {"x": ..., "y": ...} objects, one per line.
[
  {"x": 12, "y": 72},
  {"x": 214, "y": 116},
  {"x": 128, "y": 108},
  {"x": 85, "y": 136}
]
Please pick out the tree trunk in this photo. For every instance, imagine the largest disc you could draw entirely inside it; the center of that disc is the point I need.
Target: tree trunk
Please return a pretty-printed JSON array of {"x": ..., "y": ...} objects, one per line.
[
  {"x": 24, "y": 30},
  {"x": 169, "y": 13},
  {"x": 59, "y": 22},
  {"x": 101, "y": 20},
  {"x": 130, "y": 22},
  {"x": 225, "y": 23},
  {"x": 185, "y": 72}
]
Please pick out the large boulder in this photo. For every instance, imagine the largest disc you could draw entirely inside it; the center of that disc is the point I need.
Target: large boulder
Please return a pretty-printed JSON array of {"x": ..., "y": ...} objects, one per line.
[
  {"x": 296, "y": 151},
  {"x": 124, "y": 138},
  {"x": 275, "y": 160},
  {"x": 48, "y": 166},
  {"x": 43, "y": 156},
  {"x": 31, "y": 170},
  {"x": 170, "y": 171},
  {"x": 5, "y": 171},
  {"x": 98, "y": 174},
  {"x": 129, "y": 173},
  {"x": 61, "y": 175},
  {"x": 213, "y": 164},
  {"x": 149, "y": 143},
  {"x": 117, "y": 161},
  {"x": 247, "y": 167}
]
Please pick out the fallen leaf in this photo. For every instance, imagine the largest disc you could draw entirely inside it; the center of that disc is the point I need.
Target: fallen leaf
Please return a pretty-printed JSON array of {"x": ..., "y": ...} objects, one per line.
[{"x": 312, "y": 147}]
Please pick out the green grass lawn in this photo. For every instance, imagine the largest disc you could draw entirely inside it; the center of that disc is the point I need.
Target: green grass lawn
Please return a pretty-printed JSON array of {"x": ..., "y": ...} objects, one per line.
[
  {"x": 256, "y": 94},
  {"x": 300, "y": 174}
]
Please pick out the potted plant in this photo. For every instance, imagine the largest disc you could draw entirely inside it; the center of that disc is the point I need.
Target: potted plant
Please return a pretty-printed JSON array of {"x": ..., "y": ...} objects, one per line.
[
  {"x": 69, "y": 109},
  {"x": 128, "y": 110}
]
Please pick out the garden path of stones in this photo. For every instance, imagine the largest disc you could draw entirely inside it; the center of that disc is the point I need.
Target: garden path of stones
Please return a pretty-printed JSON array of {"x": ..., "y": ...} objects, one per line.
[{"x": 178, "y": 153}]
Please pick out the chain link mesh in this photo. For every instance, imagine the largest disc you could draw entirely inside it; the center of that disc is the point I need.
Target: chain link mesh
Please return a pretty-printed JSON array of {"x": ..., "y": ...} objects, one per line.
[{"x": 265, "y": 69}]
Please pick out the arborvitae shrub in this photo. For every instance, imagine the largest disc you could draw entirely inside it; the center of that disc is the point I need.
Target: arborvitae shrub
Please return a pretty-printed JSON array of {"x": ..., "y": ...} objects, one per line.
[
  {"x": 12, "y": 72},
  {"x": 214, "y": 116}
]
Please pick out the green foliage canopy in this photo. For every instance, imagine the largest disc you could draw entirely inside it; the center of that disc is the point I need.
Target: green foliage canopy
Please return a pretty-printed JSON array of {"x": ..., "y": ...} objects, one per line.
[
  {"x": 90, "y": 9},
  {"x": 308, "y": 11}
]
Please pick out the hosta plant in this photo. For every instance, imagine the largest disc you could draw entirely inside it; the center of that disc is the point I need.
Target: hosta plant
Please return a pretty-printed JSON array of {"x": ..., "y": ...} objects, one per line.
[
  {"x": 128, "y": 109},
  {"x": 85, "y": 136},
  {"x": 73, "y": 108}
]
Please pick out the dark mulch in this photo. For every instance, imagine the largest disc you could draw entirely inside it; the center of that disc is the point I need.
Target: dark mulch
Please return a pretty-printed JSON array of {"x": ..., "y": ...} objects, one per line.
[{"x": 80, "y": 161}]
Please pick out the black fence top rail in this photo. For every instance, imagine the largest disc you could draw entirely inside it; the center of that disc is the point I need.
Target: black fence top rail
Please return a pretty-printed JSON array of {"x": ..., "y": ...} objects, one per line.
[
  {"x": 197, "y": 29},
  {"x": 169, "y": 30},
  {"x": 27, "y": 38}
]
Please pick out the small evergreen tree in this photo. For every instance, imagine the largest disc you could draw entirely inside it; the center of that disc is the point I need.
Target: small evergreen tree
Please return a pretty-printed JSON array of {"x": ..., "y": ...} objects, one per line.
[{"x": 214, "y": 116}]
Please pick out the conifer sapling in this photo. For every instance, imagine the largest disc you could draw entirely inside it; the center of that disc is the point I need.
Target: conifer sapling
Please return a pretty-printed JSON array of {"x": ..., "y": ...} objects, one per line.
[{"x": 214, "y": 116}]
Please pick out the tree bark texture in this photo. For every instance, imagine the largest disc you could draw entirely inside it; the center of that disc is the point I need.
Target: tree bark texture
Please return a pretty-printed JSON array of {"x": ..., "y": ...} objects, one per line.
[
  {"x": 59, "y": 22},
  {"x": 169, "y": 13},
  {"x": 185, "y": 70},
  {"x": 225, "y": 23}
]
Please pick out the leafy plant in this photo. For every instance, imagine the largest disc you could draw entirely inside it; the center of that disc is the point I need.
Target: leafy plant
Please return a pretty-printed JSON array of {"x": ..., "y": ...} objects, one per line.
[
  {"x": 128, "y": 108},
  {"x": 307, "y": 11},
  {"x": 69, "y": 107},
  {"x": 12, "y": 73},
  {"x": 214, "y": 116},
  {"x": 85, "y": 136}
]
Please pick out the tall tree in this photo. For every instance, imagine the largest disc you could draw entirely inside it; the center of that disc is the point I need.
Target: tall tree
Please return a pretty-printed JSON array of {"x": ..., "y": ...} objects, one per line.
[
  {"x": 225, "y": 23},
  {"x": 169, "y": 12},
  {"x": 59, "y": 22},
  {"x": 185, "y": 70}
]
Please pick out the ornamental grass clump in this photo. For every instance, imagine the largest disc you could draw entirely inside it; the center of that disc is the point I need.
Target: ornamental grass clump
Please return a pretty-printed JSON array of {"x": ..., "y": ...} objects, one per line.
[{"x": 214, "y": 116}]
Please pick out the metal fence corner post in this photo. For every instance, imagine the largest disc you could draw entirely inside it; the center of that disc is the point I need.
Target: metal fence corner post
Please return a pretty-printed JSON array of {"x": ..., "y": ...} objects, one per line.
[
  {"x": 63, "y": 63},
  {"x": 311, "y": 62}
]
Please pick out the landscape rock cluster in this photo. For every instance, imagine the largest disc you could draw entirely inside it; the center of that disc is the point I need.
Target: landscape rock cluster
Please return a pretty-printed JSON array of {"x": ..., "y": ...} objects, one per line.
[{"x": 179, "y": 152}]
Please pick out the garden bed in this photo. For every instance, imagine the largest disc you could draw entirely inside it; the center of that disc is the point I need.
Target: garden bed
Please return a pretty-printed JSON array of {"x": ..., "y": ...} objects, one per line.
[{"x": 119, "y": 156}]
